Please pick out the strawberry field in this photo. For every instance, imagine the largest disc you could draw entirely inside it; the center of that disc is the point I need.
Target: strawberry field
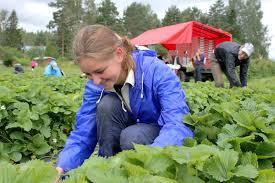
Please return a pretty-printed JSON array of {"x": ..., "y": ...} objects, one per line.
[{"x": 234, "y": 135}]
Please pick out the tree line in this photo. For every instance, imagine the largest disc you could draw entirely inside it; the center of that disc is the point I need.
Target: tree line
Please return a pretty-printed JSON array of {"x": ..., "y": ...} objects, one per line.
[{"x": 242, "y": 18}]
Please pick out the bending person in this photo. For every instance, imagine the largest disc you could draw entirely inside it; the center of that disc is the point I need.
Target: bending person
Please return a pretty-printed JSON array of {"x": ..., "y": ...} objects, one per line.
[{"x": 227, "y": 56}]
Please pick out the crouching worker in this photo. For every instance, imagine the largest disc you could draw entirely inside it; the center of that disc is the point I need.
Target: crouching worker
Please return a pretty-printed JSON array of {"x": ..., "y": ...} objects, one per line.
[
  {"x": 52, "y": 69},
  {"x": 131, "y": 97},
  {"x": 226, "y": 57},
  {"x": 18, "y": 68}
]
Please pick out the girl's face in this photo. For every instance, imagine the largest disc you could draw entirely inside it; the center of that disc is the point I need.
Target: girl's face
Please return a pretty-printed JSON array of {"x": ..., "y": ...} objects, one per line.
[{"x": 103, "y": 72}]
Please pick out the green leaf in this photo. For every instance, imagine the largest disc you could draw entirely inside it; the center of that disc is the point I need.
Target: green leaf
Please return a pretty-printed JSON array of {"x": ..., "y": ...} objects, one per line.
[
  {"x": 100, "y": 170},
  {"x": 244, "y": 119},
  {"x": 221, "y": 165},
  {"x": 39, "y": 146},
  {"x": 135, "y": 170},
  {"x": 189, "y": 142},
  {"x": 229, "y": 133},
  {"x": 6, "y": 94},
  {"x": 209, "y": 132},
  {"x": 17, "y": 135},
  {"x": 46, "y": 131},
  {"x": 159, "y": 179},
  {"x": 19, "y": 146},
  {"x": 34, "y": 116},
  {"x": 249, "y": 105},
  {"x": 15, "y": 156},
  {"x": 46, "y": 119},
  {"x": 22, "y": 118},
  {"x": 265, "y": 150},
  {"x": 8, "y": 172},
  {"x": 233, "y": 130},
  {"x": 158, "y": 163},
  {"x": 4, "y": 152},
  {"x": 266, "y": 176},
  {"x": 265, "y": 164},
  {"x": 194, "y": 155},
  {"x": 100, "y": 176},
  {"x": 248, "y": 171},
  {"x": 185, "y": 175},
  {"x": 249, "y": 158},
  {"x": 36, "y": 171},
  {"x": 260, "y": 123}
]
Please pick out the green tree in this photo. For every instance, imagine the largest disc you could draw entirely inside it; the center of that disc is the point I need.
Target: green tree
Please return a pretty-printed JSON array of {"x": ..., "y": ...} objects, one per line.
[
  {"x": 193, "y": 14},
  {"x": 217, "y": 15},
  {"x": 66, "y": 20},
  {"x": 139, "y": 18},
  {"x": 12, "y": 33},
  {"x": 232, "y": 14},
  {"x": 107, "y": 13},
  {"x": 3, "y": 19},
  {"x": 28, "y": 38},
  {"x": 108, "y": 16},
  {"x": 36, "y": 51},
  {"x": 40, "y": 39},
  {"x": 90, "y": 12},
  {"x": 253, "y": 30},
  {"x": 3, "y": 23},
  {"x": 172, "y": 16},
  {"x": 51, "y": 50}
]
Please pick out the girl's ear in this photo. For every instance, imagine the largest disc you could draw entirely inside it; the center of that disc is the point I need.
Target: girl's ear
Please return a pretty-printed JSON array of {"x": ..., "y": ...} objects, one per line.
[{"x": 120, "y": 53}]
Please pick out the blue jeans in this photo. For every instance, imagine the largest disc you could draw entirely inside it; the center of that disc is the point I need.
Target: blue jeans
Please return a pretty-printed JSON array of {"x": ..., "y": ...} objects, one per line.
[{"x": 116, "y": 131}]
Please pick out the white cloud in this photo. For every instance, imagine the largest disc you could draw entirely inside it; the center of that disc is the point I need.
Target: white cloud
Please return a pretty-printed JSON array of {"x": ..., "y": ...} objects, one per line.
[
  {"x": 33, "y": 15},
  {"x": 267, "y": 7}
]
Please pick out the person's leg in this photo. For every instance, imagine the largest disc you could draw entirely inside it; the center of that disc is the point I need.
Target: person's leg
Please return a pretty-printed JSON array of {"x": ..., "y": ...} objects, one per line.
[
  {"x": 181, "y": 74},
  {"x": 216, "y": 71},
  {"x": 228, "y": 78},
  {"x": 196, "y": 73},
  {"x": 140, "y": 133},
  {"x": 186, "y": 78},
  {"x": 110, "y": 119},
  {"x": 199, "y": 73}
]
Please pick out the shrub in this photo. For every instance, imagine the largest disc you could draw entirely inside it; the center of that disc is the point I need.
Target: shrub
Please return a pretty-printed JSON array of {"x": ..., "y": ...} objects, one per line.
[
  {"x": 36, "y": 52},
  {"x": 9, "y": 55},
  {"x": 260, "y": 67},
  {"x": 51, "y": 50}
]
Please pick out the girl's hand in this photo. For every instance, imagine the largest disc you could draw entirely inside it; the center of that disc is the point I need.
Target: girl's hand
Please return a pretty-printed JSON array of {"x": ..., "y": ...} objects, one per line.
[{"x": 60, "y": 172}]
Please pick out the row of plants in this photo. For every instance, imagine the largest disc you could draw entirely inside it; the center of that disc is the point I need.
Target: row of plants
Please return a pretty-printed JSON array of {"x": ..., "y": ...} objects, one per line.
[
  {"x": 201, "y": 163},
  {"x": 234, "y": 142},
  {"x": 36, "y": 115},
  {"x": 234, "y": 138}
]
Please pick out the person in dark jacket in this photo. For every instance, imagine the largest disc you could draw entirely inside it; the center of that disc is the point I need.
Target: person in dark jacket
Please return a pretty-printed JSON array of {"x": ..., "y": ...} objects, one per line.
[
  {"x": 198, "y": 63},
  {"x": 131, "y": 97},
  {"x": 227, "y": 56},
  {"x": 18, "y": 68}
]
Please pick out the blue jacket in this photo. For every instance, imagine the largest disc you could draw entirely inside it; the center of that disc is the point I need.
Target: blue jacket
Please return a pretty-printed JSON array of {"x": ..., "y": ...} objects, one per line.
[
  {"x": 50, "y": 71},
  {"x": 157, "y": 97}
]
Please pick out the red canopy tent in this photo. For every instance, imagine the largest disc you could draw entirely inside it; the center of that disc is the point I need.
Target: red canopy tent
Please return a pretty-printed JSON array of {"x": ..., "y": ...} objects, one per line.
[
  {"x": 188, "y": 36},
  {"x": 182, "y": 33}
]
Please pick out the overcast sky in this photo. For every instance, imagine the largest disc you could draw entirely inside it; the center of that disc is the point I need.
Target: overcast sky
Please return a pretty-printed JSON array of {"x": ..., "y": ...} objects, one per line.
[{"x": 34, "y": 15}]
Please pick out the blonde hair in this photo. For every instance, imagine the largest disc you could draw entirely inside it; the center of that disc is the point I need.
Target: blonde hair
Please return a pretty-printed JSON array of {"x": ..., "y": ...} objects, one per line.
[{"x": 100, "y": 42}]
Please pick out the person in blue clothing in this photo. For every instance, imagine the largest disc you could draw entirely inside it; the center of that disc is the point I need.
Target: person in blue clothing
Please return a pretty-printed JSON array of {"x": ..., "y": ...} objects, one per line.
[
  {"x": 131, "y": 98},
  {"x": 52, "y": 69}
]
